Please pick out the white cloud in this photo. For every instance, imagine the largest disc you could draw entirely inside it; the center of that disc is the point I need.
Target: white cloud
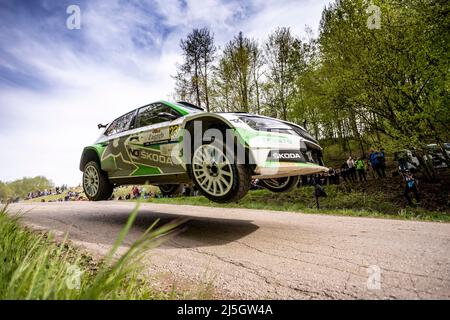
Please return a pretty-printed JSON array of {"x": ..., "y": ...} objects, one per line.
[
  {"x": 294, "y": 14},
  {"x": 124, "y": 58}
]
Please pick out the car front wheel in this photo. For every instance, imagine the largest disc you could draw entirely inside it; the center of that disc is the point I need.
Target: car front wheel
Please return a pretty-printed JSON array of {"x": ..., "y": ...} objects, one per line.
[
  {"x": 217, "y": 177},
  {"x": 96, "y": 184}
]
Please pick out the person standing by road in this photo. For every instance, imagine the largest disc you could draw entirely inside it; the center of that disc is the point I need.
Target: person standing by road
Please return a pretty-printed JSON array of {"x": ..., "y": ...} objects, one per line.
[
  {"x": 402, "y": 159},
  {"x": 410, "y": 187},
  {"x": 376, "y": 159},
  {"x": 351, "y": 168},
  {"x": 361, "y": 169}
]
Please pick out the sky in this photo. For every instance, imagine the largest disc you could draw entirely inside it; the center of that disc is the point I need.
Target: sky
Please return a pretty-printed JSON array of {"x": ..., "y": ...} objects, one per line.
[{"x": 57, "y": 84}]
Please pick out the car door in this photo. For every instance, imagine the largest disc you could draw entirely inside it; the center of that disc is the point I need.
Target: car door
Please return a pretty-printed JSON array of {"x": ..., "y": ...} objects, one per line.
[
  {"x": 155, "y": 140},
  {"x": 116, "y": 160}
]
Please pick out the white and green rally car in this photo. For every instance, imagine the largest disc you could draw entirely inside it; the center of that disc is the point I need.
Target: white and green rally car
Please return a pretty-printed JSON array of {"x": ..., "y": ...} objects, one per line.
[{"x": 173, "y": 144}]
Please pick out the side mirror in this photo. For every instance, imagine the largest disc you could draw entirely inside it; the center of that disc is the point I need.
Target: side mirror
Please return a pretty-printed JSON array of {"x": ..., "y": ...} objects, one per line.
[
  {"x": 100, "y": 126},
  {"x": 167, "y": 116}
]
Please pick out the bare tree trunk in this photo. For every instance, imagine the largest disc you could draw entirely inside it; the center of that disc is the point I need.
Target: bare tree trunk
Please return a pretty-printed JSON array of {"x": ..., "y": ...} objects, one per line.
[
  {"x": 197, "y": 87},
  {"x": 205, "y": 80}
]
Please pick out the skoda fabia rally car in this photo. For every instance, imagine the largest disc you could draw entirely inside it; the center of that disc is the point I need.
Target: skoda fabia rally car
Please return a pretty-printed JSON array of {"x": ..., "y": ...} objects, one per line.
[{"x": 173, "y": 144}]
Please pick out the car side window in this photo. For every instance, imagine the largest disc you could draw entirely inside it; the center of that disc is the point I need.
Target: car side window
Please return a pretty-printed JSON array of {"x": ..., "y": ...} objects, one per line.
[
  {"x": 155, "y": 113},
  {"x": 121, "y": 124}
]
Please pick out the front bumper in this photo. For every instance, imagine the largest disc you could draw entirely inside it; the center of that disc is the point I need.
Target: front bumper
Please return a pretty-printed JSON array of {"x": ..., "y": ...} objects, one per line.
[
  {"x": 272, "y": 169},
  {"x": 274, "y": 163}
]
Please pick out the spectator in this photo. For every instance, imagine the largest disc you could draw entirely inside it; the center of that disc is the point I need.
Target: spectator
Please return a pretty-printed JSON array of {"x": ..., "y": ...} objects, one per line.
[
  {"x": 402, "y": 158},
  {"x": 337, "y": 176},
  {"x": 410, "y": 186},
  {"x": 345, "y": 172},
  {"x": 332, "y": 176},
  {"x": 376, "y": 159},
  {"x": 136, "y": 192},
  {"x": 361, "y": 169},
  {"x": 351, "y": 168}
]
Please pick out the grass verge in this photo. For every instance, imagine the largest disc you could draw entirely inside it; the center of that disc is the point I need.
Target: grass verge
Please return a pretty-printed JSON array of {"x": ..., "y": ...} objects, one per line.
[
  {"x": 34, "y": 266},
  {"x": 338, "y": 202}
]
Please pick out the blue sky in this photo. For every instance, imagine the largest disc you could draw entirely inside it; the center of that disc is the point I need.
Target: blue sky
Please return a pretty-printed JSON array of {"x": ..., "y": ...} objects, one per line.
[{"x": 57, "y": 84}]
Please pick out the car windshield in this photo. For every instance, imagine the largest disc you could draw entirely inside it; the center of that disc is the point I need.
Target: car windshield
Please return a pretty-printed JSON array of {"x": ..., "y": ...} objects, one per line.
[
  {"x": 265, "y": 124},
  {"x": 188, "y": 109}
]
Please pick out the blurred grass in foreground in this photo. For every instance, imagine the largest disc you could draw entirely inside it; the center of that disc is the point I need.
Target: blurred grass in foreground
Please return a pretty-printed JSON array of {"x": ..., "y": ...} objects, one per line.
[{"x": 34, "y": 266}]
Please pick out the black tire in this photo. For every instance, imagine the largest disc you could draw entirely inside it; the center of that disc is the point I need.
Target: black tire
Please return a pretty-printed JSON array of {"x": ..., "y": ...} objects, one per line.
[
  {"x": 239, "y": 185},
  {"x": 104, "y": 188},
  {"x": 284, "y": 184},
  {"x": 171, "y": 189}
]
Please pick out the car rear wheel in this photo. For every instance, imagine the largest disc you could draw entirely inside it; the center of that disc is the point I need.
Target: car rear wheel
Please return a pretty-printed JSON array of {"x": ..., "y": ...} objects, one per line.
[
  {"x": 217, "y": 177},
  {"x": 280, "y": 184},
  {"x": 96, "y": 184},
  {"x": 171, "y": 189}
]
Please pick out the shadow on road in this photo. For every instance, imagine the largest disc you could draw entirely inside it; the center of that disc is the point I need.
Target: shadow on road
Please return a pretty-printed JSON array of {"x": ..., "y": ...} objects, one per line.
[{"x": 197, "y": 231}]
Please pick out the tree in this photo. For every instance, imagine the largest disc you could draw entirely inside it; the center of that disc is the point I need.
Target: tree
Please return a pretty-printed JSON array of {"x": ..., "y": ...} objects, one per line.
[
  {"x": 223, "y": 85},
  {"x": 257, "y": 65},
  {"x": 5, "y": 191},
  {"x": 383, "y": 72},
  {"x": 238, "y": 54},
  {"x": 377, "y": 75},
  {"x": 192, "y": 79},
  {"x": 22, "y": 187},
  {"x": 284, "y": 62}
]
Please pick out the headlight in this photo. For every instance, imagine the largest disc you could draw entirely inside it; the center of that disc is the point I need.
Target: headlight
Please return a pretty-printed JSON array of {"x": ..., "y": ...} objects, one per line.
[{"x": 273, "y": 125}]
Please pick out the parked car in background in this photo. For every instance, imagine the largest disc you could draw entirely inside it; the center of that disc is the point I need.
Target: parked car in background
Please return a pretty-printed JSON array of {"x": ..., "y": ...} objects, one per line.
[
  {"x": 439, "y": 154},
  {"x": 407, "y": 160}
]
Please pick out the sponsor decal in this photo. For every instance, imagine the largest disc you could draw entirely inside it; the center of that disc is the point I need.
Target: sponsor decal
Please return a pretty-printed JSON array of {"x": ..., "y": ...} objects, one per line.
[
  {"x": 151, "y": 156},
  {"x": 155, "y": 135},
  {"x": 173, "y": 131},
  {"x": 286, "y": 156},
  {"x": 155, "y": 157}
]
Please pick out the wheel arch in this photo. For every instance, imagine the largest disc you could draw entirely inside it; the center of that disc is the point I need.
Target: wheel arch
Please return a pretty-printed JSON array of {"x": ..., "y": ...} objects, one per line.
[
  {"x": 210, "y": 119},
  {"x": 219, "y": 122},
  {"x": 90, "y": 154}
]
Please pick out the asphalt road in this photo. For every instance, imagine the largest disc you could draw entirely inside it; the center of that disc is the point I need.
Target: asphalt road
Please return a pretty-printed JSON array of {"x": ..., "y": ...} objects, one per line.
[{"x": 268, "y": 254}]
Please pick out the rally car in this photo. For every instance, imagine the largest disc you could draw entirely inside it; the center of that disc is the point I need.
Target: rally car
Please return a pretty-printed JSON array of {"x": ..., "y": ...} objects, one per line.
[{"x": 174, "y": 144}]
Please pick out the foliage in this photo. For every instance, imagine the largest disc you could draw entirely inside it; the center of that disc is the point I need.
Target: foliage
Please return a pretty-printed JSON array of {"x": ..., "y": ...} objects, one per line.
[
  {"x": 35, "y": 267},
  {"x": 392, "y": 80},
  {"x": 20, "y": 188},
  {"x": 377, "y": 73},
  {"x": 193, "y": 75}
]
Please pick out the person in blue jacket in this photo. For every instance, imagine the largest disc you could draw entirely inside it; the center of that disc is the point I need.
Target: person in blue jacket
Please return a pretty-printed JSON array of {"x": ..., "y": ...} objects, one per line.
[{"x": 377, "y": 161}]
